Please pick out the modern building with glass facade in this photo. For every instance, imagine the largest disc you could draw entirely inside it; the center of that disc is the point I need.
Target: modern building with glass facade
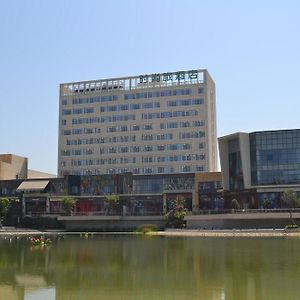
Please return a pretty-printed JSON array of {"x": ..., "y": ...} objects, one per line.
[
  {"x": 149, "y": 124},
  {"x": 261, "y": 164},
  {"x": 140, "y": 197}
]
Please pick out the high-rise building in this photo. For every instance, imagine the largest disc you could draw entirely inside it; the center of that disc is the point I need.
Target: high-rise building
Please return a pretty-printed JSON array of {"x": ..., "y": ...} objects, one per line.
[{"x": 147, "y": 124}]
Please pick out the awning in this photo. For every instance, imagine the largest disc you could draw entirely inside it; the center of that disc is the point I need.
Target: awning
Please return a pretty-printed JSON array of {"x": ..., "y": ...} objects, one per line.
[{"x": 34, "y": 185}]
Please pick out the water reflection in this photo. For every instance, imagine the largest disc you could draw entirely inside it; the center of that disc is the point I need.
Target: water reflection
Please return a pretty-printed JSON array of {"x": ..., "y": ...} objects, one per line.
[{"x": 130, "y": 267}]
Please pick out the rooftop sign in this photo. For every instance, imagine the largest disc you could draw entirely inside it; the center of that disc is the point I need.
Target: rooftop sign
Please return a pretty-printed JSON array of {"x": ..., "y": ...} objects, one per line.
[{"x": 174, "y": 76}]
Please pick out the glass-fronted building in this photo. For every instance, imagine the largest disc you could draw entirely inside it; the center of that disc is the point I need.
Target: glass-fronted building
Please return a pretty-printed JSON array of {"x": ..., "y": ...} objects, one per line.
[
  {"x": 275, "y": 157},
  {"x": 260, "y": 165},
  {"x": 139, "y": 195}
]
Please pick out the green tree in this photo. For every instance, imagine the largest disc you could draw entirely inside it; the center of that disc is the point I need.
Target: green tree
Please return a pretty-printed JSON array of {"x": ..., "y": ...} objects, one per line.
[
  {"x": 68, "y": 204},
  {"x": 4, "y": 207},
  {"x": 290, "y": 200},
  {"x": 175, "y": 217},
  {"x": 266, "y": 203},
  {"x": 113, "y": 202}
]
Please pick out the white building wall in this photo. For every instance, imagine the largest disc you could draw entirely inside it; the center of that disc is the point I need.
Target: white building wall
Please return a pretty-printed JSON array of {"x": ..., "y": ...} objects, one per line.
[{"x": 197, "y": 153}]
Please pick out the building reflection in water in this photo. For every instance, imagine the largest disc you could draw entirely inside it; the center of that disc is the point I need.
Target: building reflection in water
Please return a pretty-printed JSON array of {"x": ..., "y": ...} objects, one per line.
[{"x": 131, "y": 267}]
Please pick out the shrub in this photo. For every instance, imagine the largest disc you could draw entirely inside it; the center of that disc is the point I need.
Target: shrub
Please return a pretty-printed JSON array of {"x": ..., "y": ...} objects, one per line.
[
  {"x": 113, "y": 202},
  {"x": 175, "y": 217},
  {"x": 291, "y": 226},
  {"x": 290, "y": 200},
  {"x": 145, "y": 228},
  {"x": 68, "y": 205},
  {"x": 4, "y": 207},
  {"x": 266, "y": 203}
]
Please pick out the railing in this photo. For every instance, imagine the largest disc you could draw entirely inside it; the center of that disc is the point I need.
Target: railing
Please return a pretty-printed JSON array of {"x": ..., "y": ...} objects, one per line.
[
  {"x": 96, "y": 213},
  {"x": 101, "y": 213},
  {"x": 243, "y": 211},
  {"x": 161, "y": 213}
]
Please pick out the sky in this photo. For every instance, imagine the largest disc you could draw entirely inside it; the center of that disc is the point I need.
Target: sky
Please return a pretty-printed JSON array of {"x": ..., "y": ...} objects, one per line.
[{"x": 250, "y": 48}]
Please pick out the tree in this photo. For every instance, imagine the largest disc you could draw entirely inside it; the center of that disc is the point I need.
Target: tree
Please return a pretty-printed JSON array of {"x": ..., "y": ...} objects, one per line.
[
  {"x": 175, "y": 217},
  {"x": 113, "y": 202},
  {"x": 266, "y": 203},
  {"x": 68, "y": 204},
  {"x": 290, "y": 200},
  {"x": 4, "y": 207}
]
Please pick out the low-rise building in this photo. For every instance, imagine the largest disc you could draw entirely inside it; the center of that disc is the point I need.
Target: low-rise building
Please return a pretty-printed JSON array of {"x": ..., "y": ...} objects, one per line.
[
  {"x": 139, "y": 194},
  {"x": 259, "y": 166},
  {"x": 13, "y": 167}
]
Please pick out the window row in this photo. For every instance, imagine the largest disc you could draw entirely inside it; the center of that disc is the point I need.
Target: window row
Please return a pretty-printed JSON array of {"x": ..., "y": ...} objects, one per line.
[
  {"x": 144, "y": 170},
  {"x": 122, "y": 107},
  {"x": 104, "y": 161},
  {"x": 147, "y": 148},
  {"x": 191, "y": 135},
  {"x": 77, "y": 111},
  {"x": 173, "y": 158},
  {"x": 185, "y": 124},
  {"x": 77, "y": 152},
  {"x": 277, "y": 156},
  {"x": 77, "y": 131},
  {"x": 124, "y": 128},
  {"x": 86, "y": 100},
  {"x": 155, "y": 94},
  {"x": 284, "y": 176},
  {"x": 132, "y": 106},
  {"x": 105, "y": 119},
  {"x": 109, "y": 98},
  {"x": 169, "y": 114},
  {"x": 155, "y": 170},
  {"x": 186, "y": 102},
  {"x": 103, "y": 140}
]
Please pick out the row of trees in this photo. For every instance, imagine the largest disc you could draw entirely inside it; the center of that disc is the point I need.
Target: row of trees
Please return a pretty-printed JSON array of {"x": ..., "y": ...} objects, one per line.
[{"x": 112, "y": 202}]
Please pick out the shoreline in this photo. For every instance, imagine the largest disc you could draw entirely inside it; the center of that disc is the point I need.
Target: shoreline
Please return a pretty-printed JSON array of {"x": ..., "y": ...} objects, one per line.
[
  {"x": 227, "y": 233},
  {"x": 166, "y": 233}
]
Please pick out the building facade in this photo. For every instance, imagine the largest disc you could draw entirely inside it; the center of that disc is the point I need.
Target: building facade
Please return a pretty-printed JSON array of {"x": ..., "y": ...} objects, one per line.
[
  {"x": 150, "y": 124},
  {"x": 260, "y": 165},
  {"x": 13, "y": 167},
  {"x": 139, "y": 195}
]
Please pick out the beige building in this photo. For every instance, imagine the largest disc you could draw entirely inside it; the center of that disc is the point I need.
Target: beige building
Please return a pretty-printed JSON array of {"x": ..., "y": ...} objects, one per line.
[
  {"x": 16, "y": 167},
  {"x": 147, "y": 124},
  {"x": 13, "y": 167}
]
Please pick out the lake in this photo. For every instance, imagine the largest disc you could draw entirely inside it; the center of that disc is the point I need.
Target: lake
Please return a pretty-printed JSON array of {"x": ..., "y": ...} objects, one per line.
[{"x": 139, "y": 267}]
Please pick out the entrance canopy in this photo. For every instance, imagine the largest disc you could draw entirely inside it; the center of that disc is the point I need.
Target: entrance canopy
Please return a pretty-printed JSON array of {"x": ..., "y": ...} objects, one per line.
[{"x": 32, "y": 185}]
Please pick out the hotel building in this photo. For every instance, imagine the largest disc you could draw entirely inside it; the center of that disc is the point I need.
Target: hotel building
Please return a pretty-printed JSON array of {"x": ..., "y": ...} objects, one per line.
[{"x": 149, "y": 124}]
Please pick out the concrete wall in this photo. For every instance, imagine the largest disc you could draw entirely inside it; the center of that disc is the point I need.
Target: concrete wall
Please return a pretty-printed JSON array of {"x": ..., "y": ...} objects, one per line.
[
  {"x": 241, "y": 221},
  {"x": 108, "y": 223},
  {"x": 245, "y": 157},
  {"x": 210, "y": 96}
]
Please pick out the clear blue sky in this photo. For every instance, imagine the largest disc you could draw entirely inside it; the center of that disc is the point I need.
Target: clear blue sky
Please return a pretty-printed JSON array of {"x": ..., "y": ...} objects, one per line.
[{"x": 251, "y": 49}]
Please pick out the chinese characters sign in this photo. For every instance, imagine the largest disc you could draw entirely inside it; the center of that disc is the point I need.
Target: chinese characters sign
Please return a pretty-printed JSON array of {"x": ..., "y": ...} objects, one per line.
[{"x": 176, "y": 76}]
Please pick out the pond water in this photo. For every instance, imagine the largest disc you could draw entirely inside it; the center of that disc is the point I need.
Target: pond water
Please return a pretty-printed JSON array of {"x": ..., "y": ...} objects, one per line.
[{"x": 139, "y": 267}]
